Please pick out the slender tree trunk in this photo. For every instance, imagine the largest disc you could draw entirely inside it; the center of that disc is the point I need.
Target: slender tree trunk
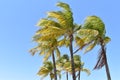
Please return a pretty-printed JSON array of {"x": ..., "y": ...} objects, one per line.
[
  {"x": 106, "y": 63},
  {"x": 72, "y": 59},
  {"x": 107, "y": 69},
  {"x": 79, "y": 75},
  {"x": 67, "y": 75},
  {"x": 54, "y": 65},
  {"x": 50, "y": 78}
]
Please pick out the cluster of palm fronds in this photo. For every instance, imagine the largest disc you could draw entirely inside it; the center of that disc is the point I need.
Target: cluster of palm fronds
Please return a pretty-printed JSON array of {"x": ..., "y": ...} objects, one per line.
[{"x": 57, "y": 30}]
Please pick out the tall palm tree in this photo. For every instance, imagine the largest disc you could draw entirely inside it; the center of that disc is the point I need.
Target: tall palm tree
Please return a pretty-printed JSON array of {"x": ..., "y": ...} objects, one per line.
[
  {"x": 78, "y": 66},
  {"x": 96, "y": 25},
  {"x": 61, "y": 26}
]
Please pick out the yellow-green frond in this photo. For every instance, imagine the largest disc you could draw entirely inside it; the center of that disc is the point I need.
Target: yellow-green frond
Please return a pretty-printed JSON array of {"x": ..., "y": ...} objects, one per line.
[
  {"x": 64, "y": 6},
  {"x": 61, "y": 42},
  {"x": 79, "y": 41},
  {"x": 42, "y": 52},
  {"x": 60, "y": 17},
  {"x": 67, "y": 43},
  {"x": 57, "y": 53},
  {"x": 47, "y": 55},
  {"x": 90, "y": 47},
  {"x": 33, "y": 51},
  {"x": 49, "y": 30},
  {"x": 86, "y": 70},
  {"x": 52, "y": 75},
  {"x": 94, "y": 22},
  {"x": 87, "y": 32},
  {"x": 87, "y": 35},
  {"x": 47, "y": 23},
  {"x": 43, "y": 70},
  {"x": 67, "y": 11},
  {"x": 106, "y": 40}
]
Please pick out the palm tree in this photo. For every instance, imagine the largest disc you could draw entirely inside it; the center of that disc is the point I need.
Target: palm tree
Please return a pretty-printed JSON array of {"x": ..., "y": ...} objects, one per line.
[
  {"x": 78, "y": 66},
  {"x": 97, "y": 36},
  {"x": 46, "y": 46},
  {"x": 60, "y": 63},
  {"x": 46, "y": 69},
  {"x": 60, "y": 24}
]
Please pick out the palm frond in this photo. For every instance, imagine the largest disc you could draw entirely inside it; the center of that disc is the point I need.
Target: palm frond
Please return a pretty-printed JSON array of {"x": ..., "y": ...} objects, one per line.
[
  {"x": 33, "y": 51},
  {"x": 87, "y": 35},
  {"x": 57, "y": 53},
  {"x": 43, "y": 70},
  {"x": 47, "y": 23},
  {"x": 49, "y": 30},
  {"x": 45, "y": 38},
  {"x": 86, "y": 70},
  {"x": 94, "y": 22},
  {"x": 90, "y": 46},
  {"x": 67, "y": 11},
  {"x": 87, "y": 32},
  {"x": 101, "y": 59},
  {"x": 47, "y": 55},
  {"x": 64, "y": 6},
  {"x": 61, "y": 42},
  {"x": 52, "y": 75},
  {"x": 60, "y": 16},
  {"x": 106, "y": 40},
  {"x": 79, "y": 42}
]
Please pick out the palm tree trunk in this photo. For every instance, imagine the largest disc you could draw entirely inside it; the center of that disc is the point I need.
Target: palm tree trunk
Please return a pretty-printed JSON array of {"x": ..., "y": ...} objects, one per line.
[
  {"x": 107, "y": 68},
  {"x": 72, "y": 59},
  {"x": 54, "y": 65},
  {"x": 50, "y": 78},
  {"x": 67, "y": 75},
  {"x": 105, "y": 59},
  {"x": 79, "y": 75}
]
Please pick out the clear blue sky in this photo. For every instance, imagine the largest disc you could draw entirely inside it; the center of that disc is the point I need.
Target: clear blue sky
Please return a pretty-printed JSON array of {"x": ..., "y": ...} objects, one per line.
[{"x": 17, "y": 26}]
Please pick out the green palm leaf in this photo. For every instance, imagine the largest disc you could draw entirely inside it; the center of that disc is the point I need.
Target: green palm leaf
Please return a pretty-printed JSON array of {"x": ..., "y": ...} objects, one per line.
[
  {"x": 57, "y": 53},
  {"x": 95, "y": 23},
  {"x": 106, "y": 40},
  {"x": 47, "y": 23},
  {"x": 90, "y": 46}
]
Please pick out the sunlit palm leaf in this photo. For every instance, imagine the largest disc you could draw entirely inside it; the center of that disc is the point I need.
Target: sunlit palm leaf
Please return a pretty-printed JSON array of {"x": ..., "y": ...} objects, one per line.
[
  {"x": 57, "y": 53},
  {"x": 63, "y": 42},
  {"x": 47, "y": 55},
  {"x": 86, "y": 70},
  {"x": 95, "y": 23},
  {"x": 52, "y": 75},
  {"x": 33, "y": 51},
  {"x": 106, "y": 40},
  {"x": 64, "y": 6},
  {"x": 87, "y": 32},
  {"x": 60, "y": 17},
  {"x": 42, "y": 71},
  {"x": 68, "y": 12},
  {"x": 47, "y": 23},
  {"x": 90, "y": 46},
  {"x": 79, "y": 42}
]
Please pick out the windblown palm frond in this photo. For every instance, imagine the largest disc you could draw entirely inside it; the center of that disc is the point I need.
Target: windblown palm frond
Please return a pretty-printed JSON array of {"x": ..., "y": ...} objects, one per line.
[
  {"x": 48, "y": 23},
  {"x": 101, "y": 60},
  {"x": 46, "y": 69},
  {"x": 68, "y": 12},
  {"x": 95, "y": 23}
]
